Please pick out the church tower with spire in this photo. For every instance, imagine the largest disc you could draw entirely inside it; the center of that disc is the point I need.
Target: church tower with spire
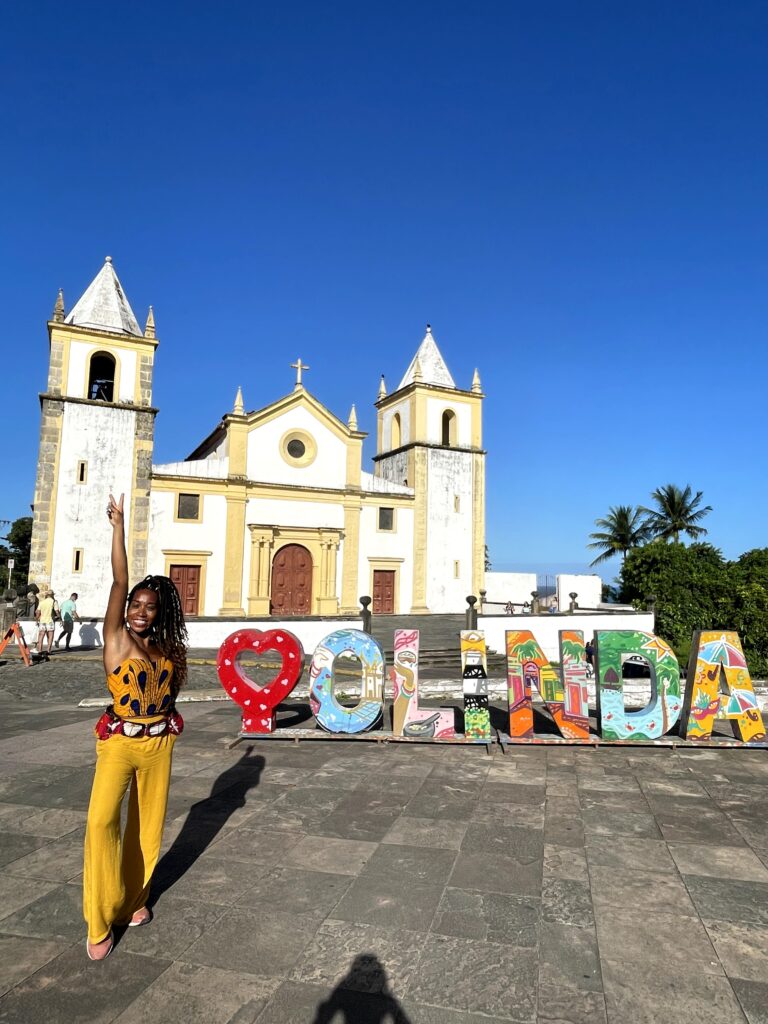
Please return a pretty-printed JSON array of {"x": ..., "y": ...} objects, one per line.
[
  {"x": 429, "y": 438},
  {"x": 96, "y": 436}
]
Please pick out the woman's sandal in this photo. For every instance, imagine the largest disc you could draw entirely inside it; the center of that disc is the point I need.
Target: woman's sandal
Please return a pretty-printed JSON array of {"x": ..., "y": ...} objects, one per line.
[
  {"x": 97, "y": 947},
  {"x": 141, "y": 917}
]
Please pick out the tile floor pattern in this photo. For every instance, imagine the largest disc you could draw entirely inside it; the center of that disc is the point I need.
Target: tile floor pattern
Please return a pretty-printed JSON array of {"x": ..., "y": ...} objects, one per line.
[{"x": 343, "y": 882}]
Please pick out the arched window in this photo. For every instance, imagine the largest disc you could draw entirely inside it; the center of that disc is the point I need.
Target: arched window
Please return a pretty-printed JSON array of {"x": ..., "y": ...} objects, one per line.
[
  {"x": 396, "y": 432},
  {"x": 449, "y": 427},
  {"x": 101, "y": 377}
]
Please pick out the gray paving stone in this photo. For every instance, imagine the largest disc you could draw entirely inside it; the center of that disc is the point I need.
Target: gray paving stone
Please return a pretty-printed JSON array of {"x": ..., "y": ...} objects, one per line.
[
  {"x": 257, "y": 847},
  {"x": 663, "y": 939},
  {"x": 624, "y": 852},
  {"x": 324, "y": 853},
  {"x": 671, "y": 996},
  {"x": 359, "y": 957},
  {"x": 565, "y": 1005},
  {"x": 718, "y": 861},
  {"x": 565, "y": 901},
  {"x": 250, "y": 942},
  {"x": 209, "y": 879},
  {"x": 21, "y": 957},
  {"x": 56, "y": 915},
  {"x": 742, "y": 948},
  {"x": 569, "y": 957},
  {"x": 484, "y": 977},
  {"x": 651, "y": 891},
  {"x": 729, "y": 899},
  {"x": 15, "y": 845},
  {"x": 603, "y": 821},
  {"x": 192, "y": 993},
  {"x": 71, "y": 986},
  {"x": 565, "y": 862},
  {"x": 298, "y": 890},
  {"x": 408, "y": 831},
  {"x": 753, "y": 996},
  {"x": 492, "y": 917},
  {"x": 498, "y": 873},
  {"x": 175, "y": 925},
  {"x": 298, "y": 1001},
  {"x": 57, "y": 861},
  {"x": 16, "y": 892}
]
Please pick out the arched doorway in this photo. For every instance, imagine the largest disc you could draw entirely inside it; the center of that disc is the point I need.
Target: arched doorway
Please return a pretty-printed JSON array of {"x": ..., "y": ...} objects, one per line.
[{"x": 291, "y": 581}]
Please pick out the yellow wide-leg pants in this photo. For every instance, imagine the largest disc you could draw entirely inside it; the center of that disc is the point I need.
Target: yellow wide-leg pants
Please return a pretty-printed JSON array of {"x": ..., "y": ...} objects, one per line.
[{"x": 118, "y": 870}]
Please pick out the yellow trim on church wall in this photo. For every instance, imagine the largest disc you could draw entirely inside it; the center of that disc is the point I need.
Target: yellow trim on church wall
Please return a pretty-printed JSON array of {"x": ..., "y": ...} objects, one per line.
[
  {"x": 419, "y": 600},
  {"x": 387, "y": 565},
  {"x": 310, "y": 448},
  {"x": 351, "y": 557},
  {"x": 259, "y": 489},
  {"x": 237, "y": 447},
  {"x": 188, "y": 490},
  {"x": 478, "y": 523},
  {"x": 322, "y": 543},
  {"x": 234, "y": 551}
]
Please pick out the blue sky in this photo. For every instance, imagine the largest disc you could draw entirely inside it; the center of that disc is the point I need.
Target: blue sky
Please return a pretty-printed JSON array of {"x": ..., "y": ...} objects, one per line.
[{"x": 572, "y": 194}]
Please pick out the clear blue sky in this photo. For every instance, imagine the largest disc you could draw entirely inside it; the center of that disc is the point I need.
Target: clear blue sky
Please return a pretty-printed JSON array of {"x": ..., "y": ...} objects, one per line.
[{"x": 572, "y": 194}]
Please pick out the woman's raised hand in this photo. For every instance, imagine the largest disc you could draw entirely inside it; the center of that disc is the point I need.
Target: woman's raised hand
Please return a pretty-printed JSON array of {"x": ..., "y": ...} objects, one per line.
[{"x": 115, "y": 510}]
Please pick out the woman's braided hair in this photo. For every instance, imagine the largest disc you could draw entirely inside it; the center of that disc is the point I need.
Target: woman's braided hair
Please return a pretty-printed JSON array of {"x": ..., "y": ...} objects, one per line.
[{"x": 169, "y": 630}]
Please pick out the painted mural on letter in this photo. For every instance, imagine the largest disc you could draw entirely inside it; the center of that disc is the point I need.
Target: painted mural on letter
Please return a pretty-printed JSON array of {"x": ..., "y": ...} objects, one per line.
[
  {"x": 665, "y": 706},
  {"x": 565, "y": 696},
  {"x": 330, "y": 714},
  {"x": 722, "y": 688},
  {"x": 408, "y": 719},
  {"x": 474, "y": 671}
]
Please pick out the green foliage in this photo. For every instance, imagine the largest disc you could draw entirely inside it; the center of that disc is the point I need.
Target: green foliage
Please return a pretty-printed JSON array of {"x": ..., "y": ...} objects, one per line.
[
  {"x": 487, "y": 566},
  {"x": 676, "y": 512},
  {"x": 621, "y": 530},
  {"x": 19, "y": 539},
  {"x": 695, "y": 588}
]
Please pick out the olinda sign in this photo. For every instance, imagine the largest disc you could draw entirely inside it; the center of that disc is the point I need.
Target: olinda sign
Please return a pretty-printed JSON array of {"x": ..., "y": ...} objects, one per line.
[{"x": 718, "y": 686}]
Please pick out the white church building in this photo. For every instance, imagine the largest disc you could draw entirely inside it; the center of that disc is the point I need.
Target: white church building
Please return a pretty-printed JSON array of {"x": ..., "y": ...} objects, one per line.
[{"x": 272, "y": 513}]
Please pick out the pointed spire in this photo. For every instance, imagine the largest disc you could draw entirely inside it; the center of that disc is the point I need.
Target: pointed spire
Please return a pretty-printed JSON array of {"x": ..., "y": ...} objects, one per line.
[
  {"x": 352, "y": 421},
  {"x": 382, "y": 388},
  {"x": 417, "y": 374},
  {"x": 103, "y": 305},
  {"x": 431, "y": 364},
  {"x": 58, "y": 309},
  {"x": 239, "y": 408},
  {"x": 477, "y": 387},
  {"x": 149, "y": 330}
]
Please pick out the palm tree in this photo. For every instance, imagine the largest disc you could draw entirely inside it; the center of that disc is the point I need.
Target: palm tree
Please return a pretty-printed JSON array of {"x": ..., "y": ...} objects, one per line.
[
  {"x": 621, "y": 530},
  {"x": 676, "y": 512}
]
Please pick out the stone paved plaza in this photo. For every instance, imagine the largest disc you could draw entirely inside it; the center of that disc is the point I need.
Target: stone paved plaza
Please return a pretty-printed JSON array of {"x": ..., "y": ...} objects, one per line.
[{"x": 350, "y": 883}]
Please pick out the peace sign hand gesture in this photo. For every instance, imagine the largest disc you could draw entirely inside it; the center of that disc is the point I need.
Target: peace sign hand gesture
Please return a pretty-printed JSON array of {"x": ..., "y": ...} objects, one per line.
[{"x": 115, "y": 511}]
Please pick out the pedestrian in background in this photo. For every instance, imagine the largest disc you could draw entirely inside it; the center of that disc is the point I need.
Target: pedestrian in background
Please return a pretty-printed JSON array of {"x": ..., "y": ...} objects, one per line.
[
  {"x": 46, "y": 614},
  {"x": 68, "y": 616}
]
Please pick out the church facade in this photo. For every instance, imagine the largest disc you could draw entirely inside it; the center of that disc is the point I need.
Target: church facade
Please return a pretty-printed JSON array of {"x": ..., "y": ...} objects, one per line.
[{"x": 272, "y": 514}]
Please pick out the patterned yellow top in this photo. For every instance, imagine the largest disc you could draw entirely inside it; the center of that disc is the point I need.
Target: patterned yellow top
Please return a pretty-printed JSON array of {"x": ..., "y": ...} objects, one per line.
[{"x": 142, "y": 688}]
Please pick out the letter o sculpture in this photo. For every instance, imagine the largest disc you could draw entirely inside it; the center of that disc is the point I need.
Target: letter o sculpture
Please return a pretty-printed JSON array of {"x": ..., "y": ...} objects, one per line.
[{"x": 330, "y": 715}]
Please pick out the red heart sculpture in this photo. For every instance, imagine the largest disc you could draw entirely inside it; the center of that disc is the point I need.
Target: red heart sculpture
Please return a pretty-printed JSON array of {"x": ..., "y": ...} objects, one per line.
[{"x": 259, "y": 702}]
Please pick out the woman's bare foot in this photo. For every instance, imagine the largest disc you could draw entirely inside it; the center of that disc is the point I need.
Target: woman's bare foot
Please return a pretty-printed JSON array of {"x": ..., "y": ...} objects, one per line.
[
  {"x": 99, "y": 950},
  {"x": 142, "y": 916}
]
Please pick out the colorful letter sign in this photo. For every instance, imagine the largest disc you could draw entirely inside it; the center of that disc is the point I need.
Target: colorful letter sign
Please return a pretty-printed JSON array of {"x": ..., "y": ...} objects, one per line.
[
  {"x": 716, "y": 656},
  {"x": 565, "y": 697},
  {"x": 474, "y": 672},
  {"x": 259, "y": 702},
  {"x": 663, "y": 711},
  {"x": 330, "y": 715},
  {"x": 408, "y": 719}
]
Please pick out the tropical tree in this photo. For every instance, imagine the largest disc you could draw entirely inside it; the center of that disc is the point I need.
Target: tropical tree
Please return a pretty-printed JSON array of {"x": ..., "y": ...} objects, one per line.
[
  {"x": 621, "y": 530},
  {"x": 676, "y": 512}
]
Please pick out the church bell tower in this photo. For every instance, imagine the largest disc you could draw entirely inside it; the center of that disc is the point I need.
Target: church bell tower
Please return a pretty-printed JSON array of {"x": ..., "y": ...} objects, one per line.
[
  {"x": 429, "y": 437},
  {"x": 96, "y": 436}
]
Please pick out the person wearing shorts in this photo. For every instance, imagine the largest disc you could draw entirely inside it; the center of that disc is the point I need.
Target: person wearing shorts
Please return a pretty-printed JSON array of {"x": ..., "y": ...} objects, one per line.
[{"x": 46, "y": 611}]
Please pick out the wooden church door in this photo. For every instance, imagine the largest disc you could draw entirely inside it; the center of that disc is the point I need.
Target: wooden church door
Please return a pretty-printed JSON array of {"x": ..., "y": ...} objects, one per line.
[{"x": 292, "y": 581}]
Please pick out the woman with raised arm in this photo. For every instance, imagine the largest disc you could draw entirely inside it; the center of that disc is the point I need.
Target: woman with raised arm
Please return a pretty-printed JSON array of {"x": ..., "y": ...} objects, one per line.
[{"x": 145, "y": 658}]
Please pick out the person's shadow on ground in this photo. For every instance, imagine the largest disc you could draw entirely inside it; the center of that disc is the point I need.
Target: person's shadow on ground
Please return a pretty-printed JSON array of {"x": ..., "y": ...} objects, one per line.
[
  {"x": 205, "y": 820},
  {"x": 351, "y": 1006}
]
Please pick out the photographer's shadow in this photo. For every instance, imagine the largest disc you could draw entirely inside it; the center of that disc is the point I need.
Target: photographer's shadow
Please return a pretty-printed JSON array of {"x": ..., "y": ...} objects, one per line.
[
  {"x": 205, "y": 820},
  {"x": 376, "y": 1005}
]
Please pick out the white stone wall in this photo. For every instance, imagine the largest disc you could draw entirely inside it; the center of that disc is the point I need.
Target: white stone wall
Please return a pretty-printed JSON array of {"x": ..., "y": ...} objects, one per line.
[
  {"x": 404, "y": 410},
  {"x": 207, "y": 535},
  {"x": 546, "y": 627},
  {"x": 435, "y": 409},
  {"x": 377, "y": 544},
  {"x": 509, "y": 586},
  {"x": 588, "y": 587},
  {"x": 449, "y": 533},
  {"x": 266, "y": 463},
  {"x": 394, "y": 468},
  {"x": 77, "y": 382},
  {"x": 103, "y": 437}
]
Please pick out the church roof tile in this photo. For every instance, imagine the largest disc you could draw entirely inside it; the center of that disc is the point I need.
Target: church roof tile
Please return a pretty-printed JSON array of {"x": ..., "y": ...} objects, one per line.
[{"x": 104, "y": 305}]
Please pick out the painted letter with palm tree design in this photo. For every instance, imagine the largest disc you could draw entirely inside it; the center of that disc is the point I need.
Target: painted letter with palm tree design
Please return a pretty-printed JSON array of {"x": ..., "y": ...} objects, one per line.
[
  {"x": 565, "y": 695},
  {"x": 717, "y": 654}
]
